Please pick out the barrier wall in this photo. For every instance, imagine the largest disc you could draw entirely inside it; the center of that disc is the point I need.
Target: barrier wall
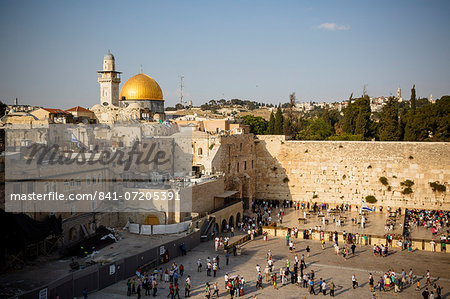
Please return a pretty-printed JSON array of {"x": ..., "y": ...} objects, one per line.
[
  {"x": 161, "y": 229},
  {"x": 98, "y": 277}
]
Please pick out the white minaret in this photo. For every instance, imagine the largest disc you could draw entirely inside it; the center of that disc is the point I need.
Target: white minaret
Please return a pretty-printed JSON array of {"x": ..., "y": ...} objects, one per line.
[
  {"x": 109, "y": 81},
  {"x": 399, "y": 93}
]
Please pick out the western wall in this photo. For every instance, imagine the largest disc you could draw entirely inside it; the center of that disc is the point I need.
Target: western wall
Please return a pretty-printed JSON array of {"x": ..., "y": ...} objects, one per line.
[{"x": 338, "y": 172}]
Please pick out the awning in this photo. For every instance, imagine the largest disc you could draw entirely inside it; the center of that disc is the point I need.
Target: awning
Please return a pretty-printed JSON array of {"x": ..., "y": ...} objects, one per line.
[{"x": 226, "y": 194}]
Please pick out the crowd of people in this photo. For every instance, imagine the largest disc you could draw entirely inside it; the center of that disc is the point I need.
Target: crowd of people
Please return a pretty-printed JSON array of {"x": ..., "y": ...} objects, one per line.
[
  {"x": 148, "y": 282},
  {"x": 437, "y": 222},
  {"x": 294, "y": 270}
]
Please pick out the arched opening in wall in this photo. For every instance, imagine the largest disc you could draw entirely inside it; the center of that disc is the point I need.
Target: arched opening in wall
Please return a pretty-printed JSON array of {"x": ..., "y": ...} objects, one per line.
[
  {"x": 200, "y": 151},
  {"x": 231, "y": 222},
  {"x": 224, "y": 226},
  {"x": 73, "y": 234},
  {"x": 238, "y": 218},
  {"x": 151, "y": 220}
]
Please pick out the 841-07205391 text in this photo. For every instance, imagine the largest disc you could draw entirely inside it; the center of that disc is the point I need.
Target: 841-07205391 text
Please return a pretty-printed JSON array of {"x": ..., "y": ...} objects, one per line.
[{"x": 99, "y": 195}]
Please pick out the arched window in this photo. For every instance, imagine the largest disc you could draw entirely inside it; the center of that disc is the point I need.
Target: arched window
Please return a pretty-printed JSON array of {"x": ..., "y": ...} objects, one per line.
[{"x": 200, "y": 151}]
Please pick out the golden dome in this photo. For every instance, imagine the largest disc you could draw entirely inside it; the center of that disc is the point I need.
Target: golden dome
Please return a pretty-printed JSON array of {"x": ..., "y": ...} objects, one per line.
[{"x": 141, "y": 87}]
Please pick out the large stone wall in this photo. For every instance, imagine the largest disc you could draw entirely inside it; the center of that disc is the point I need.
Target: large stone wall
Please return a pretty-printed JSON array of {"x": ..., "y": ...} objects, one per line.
[
  {"x": 346, "y": 172},
  {"x": 233, "y": 155}
]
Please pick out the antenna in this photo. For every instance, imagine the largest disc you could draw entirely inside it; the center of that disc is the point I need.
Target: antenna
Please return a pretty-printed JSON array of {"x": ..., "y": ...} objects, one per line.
[
  {"x": 181, "y": 89},
  {"x": 364, "y": 89}
]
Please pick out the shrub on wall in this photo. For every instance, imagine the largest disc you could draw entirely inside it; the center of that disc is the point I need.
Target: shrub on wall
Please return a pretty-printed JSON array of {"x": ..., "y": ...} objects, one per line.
[
  {"x": 371, "y": 199},
  {"x": 437, "y": 187},
  {"x": 407, "y": 191},
  {"x": 286, "y": 180},
  {"x": 384, "y": 180},
  {"x": 407, "y": 183},
  {"x": 315, "y": 196}
]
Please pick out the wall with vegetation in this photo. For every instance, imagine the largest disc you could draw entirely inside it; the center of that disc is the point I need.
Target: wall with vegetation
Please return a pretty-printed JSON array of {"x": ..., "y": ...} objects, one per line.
[{"x": 397, "y": 174}]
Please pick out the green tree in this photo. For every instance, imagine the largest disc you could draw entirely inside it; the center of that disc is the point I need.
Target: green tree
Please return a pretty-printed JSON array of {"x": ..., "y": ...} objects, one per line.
[
  {"x": 411, "y": 127},
  {"x": 257, "y": 124},
  {"x": 288, "y": 127},
  {"x": 413, "y": 99},
  {"x": 402, "y": 123},
  {"x": 279, "y": 119},
  {"x": 362, "y": 121},
  {"x": 251, "y": 106},
  {"x": 348, "y": 125},
  {"x": 317, "y": 129},
  {"x": 430, "y": 123},
  {"x": 389, "y": 125},
  {"x": 271, "y": 125}
]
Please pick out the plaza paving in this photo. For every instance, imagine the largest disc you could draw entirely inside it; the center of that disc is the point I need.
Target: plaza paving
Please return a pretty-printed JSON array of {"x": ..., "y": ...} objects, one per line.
[
  {"x": 375, "y": 224},
  {"x": 325, "y": 264}
]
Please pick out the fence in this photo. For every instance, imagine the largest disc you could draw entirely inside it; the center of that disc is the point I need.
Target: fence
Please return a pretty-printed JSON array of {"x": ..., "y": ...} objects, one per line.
[{"x": 98, "y": 277}]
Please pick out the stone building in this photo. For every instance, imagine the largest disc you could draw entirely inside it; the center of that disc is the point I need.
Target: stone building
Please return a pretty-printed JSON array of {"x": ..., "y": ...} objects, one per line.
[{"x": 140, "y": 99}]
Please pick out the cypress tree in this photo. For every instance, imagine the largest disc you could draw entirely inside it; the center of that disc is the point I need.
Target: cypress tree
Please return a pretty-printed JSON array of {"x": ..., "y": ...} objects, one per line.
[
  {"x": 348, "y": 122},
  {"x": 271, "y": 125},
  {"x": 288, "y": 128},
  {"x": 389, "y": 125},
  {"x": 278, "y": 122},
  {"x": 362, "y": 123},
  {"x": 410, "y": 130},
  {"x": 413, "y": 99}
]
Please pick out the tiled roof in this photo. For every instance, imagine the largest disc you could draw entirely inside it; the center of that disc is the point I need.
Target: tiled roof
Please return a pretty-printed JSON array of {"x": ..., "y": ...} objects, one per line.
[{"x": 78, "y": 109}]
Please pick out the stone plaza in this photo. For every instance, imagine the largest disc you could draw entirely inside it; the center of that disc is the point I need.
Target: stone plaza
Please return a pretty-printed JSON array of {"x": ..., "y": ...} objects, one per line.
[{"x": 325, "y": 264}]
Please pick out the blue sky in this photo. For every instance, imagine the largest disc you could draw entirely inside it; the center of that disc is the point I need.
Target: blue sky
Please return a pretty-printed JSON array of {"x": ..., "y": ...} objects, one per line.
[{"x": 258, "y": 50}]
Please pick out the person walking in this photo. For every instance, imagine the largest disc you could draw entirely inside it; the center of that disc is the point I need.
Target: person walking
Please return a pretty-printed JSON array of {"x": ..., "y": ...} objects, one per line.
[
  {"x": 176, "y": 291},
  {"x": 138, "y": 291},
  {"x": 311, "y": 286},
  {"x": 216, "y": 290},
  {"x": 199, "y": 265},
  {"x": 187, "y": 287},
  {"x": 371, "y": 282},
  {"x": 381, "y": 284},
  {"x": 129, "y": 287},
  {"x": 332, "y": 286},
  {"x": 85, "y": 293},
  {"x": 181, "y": 269},
  {"x": 154, "y": 287},
  {"x": 207, "y": 291},
  {"x": 428, "y": 276},
  {"x": 171, "y": 291},
  {"x": 214, "y": 269},
  {"x": 354, "y": 281}
]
